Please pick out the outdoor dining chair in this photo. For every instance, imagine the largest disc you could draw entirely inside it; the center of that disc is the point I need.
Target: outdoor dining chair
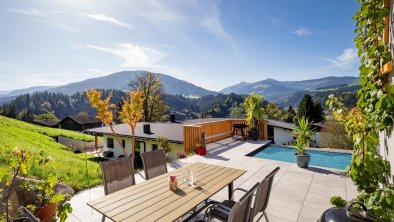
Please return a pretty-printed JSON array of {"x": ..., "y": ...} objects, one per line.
[
  {"x": 230, "y": 211},
  {"x": 154, "y": 163},
  {"x": 117, "y": 175},
  {"x": 29, "y": 216},
  {"x": 262, "y": 196}
]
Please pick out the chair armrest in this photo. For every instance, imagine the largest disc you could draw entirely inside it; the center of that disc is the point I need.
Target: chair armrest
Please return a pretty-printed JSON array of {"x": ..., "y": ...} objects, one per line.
[
  {"x": 28, "y": 214},
  {"x": 238, "y": 189}
]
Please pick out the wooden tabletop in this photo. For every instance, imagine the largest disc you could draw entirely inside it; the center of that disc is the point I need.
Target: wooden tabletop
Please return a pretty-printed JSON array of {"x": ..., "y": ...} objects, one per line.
[{"x": 152, "y": 200}]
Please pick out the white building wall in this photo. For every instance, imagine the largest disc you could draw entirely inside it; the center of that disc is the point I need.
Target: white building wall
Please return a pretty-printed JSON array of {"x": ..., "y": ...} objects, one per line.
[
  {"x": 285, "y": 136},
  {"x": 315, "y": 140},
  {"x": 282, "y": 136},
  {"x": 117, "y": 150}
]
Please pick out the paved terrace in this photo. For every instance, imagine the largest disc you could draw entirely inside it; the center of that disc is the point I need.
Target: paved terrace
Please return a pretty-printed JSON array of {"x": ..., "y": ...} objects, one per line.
[{"x": 298, "y": 194}]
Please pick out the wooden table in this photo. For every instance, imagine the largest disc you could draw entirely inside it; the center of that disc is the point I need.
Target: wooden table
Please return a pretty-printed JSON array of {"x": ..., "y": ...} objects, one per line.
[{"x": 153, "y": 201}]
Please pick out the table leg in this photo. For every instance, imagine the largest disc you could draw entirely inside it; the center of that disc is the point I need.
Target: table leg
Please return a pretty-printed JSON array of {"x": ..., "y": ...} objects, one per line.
[{"x": 230, "y": 190}]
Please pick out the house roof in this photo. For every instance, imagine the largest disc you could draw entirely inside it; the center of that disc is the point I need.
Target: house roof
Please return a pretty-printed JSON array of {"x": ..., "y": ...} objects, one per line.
[
  {"x": 173, "y": 131},
  {"x": 83, "y": 119},
  {"x": 48, "y": 122},
  {"x": 281, "y": 124}
]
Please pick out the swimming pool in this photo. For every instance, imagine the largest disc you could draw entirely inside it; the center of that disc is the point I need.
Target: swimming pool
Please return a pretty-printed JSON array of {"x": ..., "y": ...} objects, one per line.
[{"x": 318, "y": 158}]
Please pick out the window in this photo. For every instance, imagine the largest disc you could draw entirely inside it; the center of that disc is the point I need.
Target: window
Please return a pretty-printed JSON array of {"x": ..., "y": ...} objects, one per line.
[
  {"x": 124, "y": 143},
  {"x": 110, "y": 143},
  {"x": 155, "y": 146}
]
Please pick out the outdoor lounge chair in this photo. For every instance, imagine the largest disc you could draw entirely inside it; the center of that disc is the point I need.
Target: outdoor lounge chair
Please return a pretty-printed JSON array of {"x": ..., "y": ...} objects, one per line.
[
  {"x": 154, "y": 163},
  {"x": 117, "y": 175},
  {"x": 230, "y": 211}
]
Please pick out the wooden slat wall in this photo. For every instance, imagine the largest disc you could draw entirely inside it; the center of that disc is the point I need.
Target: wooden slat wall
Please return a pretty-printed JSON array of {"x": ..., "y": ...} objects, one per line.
[
  {"x": 192, "y": 133},
  {"x": 215, "y": 128}
]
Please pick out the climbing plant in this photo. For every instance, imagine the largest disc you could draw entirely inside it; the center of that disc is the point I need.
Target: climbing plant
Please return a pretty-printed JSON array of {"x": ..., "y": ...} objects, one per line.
[{"x": 374, "y": 112}]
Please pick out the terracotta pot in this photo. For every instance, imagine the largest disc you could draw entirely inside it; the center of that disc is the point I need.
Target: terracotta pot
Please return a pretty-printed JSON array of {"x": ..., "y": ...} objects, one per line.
[
  {"x": 46, "y": 213},
  {"x": 201, "y": 151}
]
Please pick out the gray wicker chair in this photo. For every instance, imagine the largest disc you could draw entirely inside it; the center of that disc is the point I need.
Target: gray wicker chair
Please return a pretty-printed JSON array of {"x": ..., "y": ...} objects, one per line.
[
  {"x": 230, "y": 211},
  {"x": 117, "y": 175},
  {"x": 154, "y": 163},
  {"x": 262, "y": 195}
]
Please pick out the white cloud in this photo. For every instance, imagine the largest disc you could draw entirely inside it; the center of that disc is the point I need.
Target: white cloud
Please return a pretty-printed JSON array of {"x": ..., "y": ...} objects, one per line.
[
  {"x": 29, "y": 12},
  {"x": 302, "y": 31},
  {"x": 134, "y": 56},
  {"x": 275, "y": 21},
  {"x": 212, "y": 23},
  {"x": 346, "y": 59},
  {"x": 44, "y": 17},
  {"x": 106, "y": 18}
]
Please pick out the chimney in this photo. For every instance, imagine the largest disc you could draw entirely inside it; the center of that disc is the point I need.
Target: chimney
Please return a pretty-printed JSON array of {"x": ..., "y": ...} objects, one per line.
[
  {"x": 172, "y": 118},
  {"x": 147, "y": 129}
]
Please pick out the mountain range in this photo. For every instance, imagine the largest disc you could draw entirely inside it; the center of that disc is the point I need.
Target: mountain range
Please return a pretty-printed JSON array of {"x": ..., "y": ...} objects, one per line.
[
  {"x": 273, "y": 89},
  {"x": 284, "y": 93}
]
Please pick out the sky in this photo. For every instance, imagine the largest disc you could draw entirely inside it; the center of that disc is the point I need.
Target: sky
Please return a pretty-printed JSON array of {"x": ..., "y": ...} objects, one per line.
[{"x": 210, "y": 43}]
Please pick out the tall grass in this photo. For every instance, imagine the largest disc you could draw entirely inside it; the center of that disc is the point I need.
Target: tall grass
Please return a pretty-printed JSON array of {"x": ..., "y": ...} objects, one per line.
[{"x": 68, "y": 166}]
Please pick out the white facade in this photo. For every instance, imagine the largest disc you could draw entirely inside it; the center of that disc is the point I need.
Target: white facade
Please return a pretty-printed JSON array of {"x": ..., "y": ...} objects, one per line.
[
  {"x": 283, "y": 136},
  {"x": 145, "y": 145}
]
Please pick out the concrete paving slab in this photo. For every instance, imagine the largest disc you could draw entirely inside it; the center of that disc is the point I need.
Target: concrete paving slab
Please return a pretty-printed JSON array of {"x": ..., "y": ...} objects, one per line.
[{"x": 298, "y": 194}]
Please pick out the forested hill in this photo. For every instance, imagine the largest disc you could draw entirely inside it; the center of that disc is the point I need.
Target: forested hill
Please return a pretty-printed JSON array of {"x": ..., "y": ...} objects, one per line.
[
  {"x": 210, "y": 105},
  {"x": 62, "y": 104}
]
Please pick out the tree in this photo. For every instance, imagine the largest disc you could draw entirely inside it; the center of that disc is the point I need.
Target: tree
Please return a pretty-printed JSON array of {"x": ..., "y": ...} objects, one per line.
[
  {"x": 154, "y": 106},
  {"x": 291, "y": 114},
  {"x": 9, "y": 110},
  {"x": 237, "y": 112},
  {"x": 45, "y": 116},
  {"x": 26, "y": 115},
  {"x": 46, "y": 107},
  {"x": 333, "y": 135},
  {"x": 254, "y": 110},
  {"x": 310, "y": 109},
  {"x": 131, "y": 113},
  {"x": 104, "y": 111},
  {"x": 165, "y": 144}
]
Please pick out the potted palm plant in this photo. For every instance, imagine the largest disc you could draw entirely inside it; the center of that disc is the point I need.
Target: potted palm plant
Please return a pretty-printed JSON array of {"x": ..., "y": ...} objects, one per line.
[
  {"x": 254, "y": 113},
  {"x": 303, "y": 134}
]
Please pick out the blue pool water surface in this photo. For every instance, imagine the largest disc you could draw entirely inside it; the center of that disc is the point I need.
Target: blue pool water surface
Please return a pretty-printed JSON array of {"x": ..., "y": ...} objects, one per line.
[{"x": 318, "y": 158}]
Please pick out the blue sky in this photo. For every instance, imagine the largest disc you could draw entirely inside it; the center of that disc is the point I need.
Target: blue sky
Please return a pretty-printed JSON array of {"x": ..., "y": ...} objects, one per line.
[{"x": 210, "y": 43}]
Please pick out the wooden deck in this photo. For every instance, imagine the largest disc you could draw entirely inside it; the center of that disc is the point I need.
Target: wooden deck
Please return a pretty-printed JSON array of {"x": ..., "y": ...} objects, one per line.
[{"x": 215, "y": 131}]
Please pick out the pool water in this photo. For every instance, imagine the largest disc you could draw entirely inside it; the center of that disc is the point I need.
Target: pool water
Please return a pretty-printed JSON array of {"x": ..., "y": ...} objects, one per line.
[{"x": 318, "y": 158}]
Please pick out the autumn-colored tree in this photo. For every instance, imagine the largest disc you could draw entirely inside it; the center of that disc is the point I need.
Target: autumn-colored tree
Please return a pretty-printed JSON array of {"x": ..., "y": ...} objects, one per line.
[
  {"x": 131, "y": 113},
  {"x": 154, "y": 106},
  {"x": 104, "y": 111}
]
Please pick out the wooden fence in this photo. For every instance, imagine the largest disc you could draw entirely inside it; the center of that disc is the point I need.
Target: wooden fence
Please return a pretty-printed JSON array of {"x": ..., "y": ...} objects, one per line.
[{"x": 216, "y": 130}]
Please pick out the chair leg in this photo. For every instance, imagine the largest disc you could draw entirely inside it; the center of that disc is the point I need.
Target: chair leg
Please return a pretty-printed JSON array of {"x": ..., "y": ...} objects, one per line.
[
  {"x": 103, "y": 219},
  {"x": 266, "y": 216}
]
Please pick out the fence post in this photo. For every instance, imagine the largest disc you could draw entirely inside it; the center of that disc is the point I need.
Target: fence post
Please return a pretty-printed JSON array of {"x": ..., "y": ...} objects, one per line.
[{"x": 203, "y": 139}]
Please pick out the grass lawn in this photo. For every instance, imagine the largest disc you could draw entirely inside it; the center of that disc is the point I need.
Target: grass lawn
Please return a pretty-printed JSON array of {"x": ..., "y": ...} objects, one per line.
[{"x": 68, "y": 166}]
